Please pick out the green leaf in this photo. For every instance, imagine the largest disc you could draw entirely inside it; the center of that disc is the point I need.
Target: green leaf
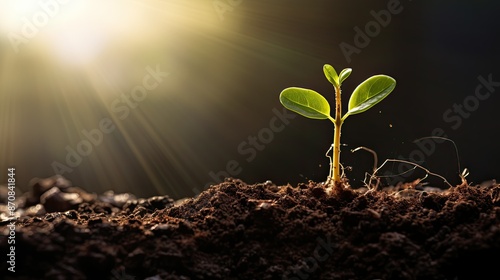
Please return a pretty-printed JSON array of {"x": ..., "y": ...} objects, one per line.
[
  {"x": 369, "y": 93},
  {"x": 344, "y": 74},
  {"x": 331, "y": 74},
  {"x": 306, "y": 102}
]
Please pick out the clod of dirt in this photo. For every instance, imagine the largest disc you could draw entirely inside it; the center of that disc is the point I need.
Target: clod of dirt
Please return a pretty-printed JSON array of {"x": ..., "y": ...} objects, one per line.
[{"x": 262, "y": 231}]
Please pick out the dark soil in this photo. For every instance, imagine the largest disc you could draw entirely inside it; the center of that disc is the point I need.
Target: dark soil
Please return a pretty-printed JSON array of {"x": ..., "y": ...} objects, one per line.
[{"x": 262, "y": 231}]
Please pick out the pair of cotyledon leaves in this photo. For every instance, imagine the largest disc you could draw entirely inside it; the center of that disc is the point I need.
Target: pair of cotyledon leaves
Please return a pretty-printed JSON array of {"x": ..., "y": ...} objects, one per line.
[{"x": 313, "y": 105}]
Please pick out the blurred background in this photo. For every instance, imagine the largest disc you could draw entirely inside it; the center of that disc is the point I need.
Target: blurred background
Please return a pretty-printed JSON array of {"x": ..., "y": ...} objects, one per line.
[{"x": 168, "y": 97}]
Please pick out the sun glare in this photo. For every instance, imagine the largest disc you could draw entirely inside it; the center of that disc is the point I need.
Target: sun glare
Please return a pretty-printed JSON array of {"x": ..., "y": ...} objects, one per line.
[
  {"x": 74, "y": 68},
  {"x": 74, "y": 31},
  {"x": 100, "y": 68}
]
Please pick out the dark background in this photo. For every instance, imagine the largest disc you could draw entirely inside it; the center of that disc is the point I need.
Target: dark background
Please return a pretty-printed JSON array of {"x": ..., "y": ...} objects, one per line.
[{"x": 227, "y": 83}]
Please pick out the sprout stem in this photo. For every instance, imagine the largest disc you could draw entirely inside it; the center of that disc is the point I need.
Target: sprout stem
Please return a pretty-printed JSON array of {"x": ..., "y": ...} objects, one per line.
[{"x": 336, "y": 138}]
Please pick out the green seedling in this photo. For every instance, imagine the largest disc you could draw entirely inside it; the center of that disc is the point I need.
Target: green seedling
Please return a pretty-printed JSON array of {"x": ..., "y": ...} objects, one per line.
[{"x": 311, "y": 104}]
